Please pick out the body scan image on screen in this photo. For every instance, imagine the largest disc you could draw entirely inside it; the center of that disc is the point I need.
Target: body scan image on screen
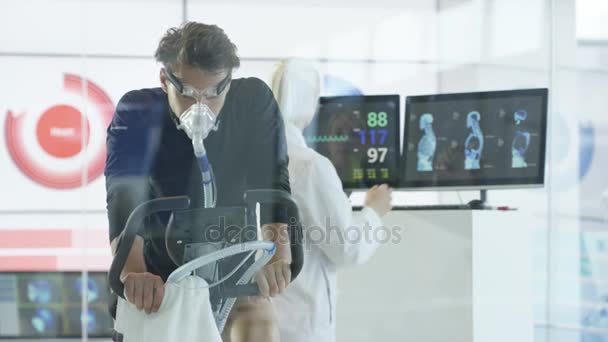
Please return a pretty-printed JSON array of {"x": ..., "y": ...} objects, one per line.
[
  {"x": 473, "y": 146},
  {"x": 521, "y": 140},
  {"x": 49, "y": 304},
  {"x": 474, "y": 140},
  {"x": 427, "y": 144},
  {"x": 360, "y": 136}
]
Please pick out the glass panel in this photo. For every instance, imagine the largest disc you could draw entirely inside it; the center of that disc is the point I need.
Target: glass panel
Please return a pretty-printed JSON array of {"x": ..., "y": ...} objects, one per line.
[{"x": 65, "y": 65}]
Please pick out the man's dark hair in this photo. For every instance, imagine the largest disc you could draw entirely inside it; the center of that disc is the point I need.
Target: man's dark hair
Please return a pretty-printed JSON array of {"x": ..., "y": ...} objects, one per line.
[{"x": 203, "y": 46}]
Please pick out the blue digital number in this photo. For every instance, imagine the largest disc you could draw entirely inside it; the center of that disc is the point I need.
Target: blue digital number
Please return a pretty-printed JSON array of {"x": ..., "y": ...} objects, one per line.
[
  {"x": 373, "y": 133},
  {"x": 362, "y": 135},
  {"x": 383, "y": 133}
]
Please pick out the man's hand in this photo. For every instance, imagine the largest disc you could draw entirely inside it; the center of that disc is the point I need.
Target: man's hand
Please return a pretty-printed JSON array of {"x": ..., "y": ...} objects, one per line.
[
  {"x": 145, "y": 290},
  {"x": 274, "y": 278}
]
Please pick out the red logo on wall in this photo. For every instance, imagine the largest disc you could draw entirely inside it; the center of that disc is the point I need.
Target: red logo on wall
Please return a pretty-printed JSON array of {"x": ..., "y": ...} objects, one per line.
[{"x": 62, "y": 144}]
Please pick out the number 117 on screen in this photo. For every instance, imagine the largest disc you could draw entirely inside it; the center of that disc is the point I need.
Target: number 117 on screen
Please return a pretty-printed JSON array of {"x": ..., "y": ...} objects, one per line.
[{"x": 375, "y": 135}]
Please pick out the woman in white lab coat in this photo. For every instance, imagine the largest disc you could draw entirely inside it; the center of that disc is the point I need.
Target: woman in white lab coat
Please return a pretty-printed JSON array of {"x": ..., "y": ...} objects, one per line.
[{"x": 306, "y": 310}]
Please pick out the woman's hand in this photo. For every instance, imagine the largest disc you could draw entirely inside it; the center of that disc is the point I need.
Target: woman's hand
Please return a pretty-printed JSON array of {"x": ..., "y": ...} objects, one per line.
[{"x": 379, "y": 198}]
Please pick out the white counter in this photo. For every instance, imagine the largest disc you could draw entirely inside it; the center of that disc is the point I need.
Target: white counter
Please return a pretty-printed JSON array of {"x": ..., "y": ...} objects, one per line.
[{"x": 457, "y": 275}]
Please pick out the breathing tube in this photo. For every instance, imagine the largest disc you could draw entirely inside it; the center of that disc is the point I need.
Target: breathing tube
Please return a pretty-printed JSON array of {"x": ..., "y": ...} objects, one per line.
[
  {"x": 209, "y": 186},
  {"x": 198, "y": 125},
  {"x": 268, "y": 248},
  {"x": 198, "y": 121}
]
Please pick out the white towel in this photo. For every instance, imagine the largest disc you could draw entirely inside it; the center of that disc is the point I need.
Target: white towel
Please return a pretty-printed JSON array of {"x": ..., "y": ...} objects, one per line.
[{"x": 185, "y": 315}]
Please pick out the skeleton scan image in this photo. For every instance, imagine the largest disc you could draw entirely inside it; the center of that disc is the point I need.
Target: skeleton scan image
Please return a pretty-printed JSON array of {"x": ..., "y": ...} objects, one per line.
[
  {"x": 427, "y": 144},
  {"x": 494, "y": 138},
  {"x": 521, "y": 141},
  {"x": 474, "y": 142}
]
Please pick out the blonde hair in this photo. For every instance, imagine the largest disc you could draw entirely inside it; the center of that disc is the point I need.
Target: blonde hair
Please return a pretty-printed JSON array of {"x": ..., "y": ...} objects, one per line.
[{"x": 296, "y": 86}]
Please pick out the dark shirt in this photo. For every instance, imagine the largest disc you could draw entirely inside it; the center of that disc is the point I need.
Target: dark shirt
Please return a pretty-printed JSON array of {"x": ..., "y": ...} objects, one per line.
[{"x": 148, "y": 157}]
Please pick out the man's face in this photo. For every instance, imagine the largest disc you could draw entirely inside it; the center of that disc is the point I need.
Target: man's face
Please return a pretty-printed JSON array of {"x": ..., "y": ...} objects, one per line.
[{"x": 199, "y": 79}]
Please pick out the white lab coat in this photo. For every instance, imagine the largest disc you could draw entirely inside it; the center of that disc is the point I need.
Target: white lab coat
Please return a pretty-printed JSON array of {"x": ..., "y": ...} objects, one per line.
[{"x": 306, "y": 311}]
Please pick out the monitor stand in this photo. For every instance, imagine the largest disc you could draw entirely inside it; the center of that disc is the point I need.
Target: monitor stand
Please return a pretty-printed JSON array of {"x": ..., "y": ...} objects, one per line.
[{"x": 481, "y": 203}]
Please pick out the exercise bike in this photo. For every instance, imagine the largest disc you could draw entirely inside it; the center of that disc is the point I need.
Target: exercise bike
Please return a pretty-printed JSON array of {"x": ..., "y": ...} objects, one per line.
[{"x": 215, "y": 244}]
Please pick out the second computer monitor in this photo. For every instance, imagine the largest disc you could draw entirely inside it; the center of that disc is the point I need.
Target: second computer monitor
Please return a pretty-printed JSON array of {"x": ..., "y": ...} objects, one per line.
[
  {"x": 475, "y": 140},
  {"x": 360, "y": 136}
]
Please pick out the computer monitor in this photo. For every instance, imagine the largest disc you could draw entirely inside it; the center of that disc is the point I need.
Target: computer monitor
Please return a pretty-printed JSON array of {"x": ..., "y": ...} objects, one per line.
[
  {"x": 478, "y": 140},
  {"x": 360, "y": 136},
  {"x": 49, "y": 305}
]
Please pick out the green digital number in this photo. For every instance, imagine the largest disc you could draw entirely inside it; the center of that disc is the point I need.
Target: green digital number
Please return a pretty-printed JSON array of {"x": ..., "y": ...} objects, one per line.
[
  {"x": 382, "y": 119},
  {"x": 377, "y": 119},
  {"x": 372, "y": 119}
]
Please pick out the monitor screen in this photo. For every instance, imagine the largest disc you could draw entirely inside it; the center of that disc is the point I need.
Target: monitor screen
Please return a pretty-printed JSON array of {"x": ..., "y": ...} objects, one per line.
[
  {"x": 475, "y": 140},
  {"x": 360, "y": 136},
  {"x": 49, "y": 305}
]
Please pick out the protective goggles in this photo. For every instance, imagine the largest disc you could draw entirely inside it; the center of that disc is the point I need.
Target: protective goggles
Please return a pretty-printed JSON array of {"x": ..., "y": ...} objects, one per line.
[{"x": 198, "y": 95}]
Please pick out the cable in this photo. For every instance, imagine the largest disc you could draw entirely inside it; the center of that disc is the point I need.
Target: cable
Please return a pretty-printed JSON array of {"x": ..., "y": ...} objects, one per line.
[
  {"x": 234, "y": 270},
  {"x": 222, "y": 316},
  {"x": 187, "y": 268}
]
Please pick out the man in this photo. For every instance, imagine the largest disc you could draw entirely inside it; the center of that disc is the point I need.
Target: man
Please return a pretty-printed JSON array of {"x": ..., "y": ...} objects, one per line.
[{"x": 149, "y": 157}]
